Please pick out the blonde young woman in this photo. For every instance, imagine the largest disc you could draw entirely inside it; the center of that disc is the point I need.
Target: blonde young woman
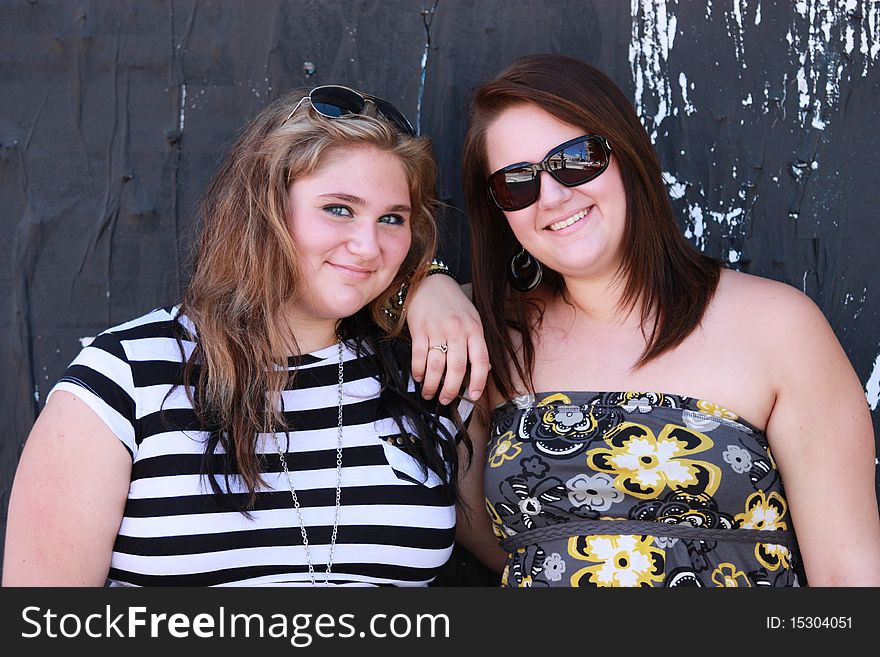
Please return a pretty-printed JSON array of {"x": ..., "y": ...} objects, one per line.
[
  {"x": 653, "y": 419},
  {"x": 267, "y": 430}
]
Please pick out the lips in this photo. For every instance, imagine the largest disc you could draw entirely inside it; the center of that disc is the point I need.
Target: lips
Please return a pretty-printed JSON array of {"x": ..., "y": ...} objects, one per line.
[
  {"x": 570, "y": 221},
  {"x": 354, "y": 271}
]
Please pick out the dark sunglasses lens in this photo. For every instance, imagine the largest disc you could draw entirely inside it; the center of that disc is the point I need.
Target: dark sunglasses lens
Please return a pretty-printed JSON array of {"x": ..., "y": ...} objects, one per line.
[
  {"x": 394, "y": 115},
  {"x": 334, "y": 102},
  {"x": 579, "y": 162},
  {"x": 514, "y": 188}
]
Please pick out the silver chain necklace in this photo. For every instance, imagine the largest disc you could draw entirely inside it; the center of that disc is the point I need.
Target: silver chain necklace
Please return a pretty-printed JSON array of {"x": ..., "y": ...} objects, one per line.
[{"x": 302, "y": 525}]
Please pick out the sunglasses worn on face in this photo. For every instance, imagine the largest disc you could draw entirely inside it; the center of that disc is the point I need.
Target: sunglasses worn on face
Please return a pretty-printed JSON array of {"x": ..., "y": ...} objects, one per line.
[
  {"x": 333, "y": 101},
  {"x": 573, "y": 163}
]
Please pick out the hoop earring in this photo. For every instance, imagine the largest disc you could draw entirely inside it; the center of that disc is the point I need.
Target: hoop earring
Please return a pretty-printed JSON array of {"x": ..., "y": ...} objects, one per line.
[{"x": 525, "y": 272}]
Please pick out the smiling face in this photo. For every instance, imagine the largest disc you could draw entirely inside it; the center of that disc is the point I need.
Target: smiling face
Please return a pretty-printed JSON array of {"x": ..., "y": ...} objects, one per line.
[
  {"x": 350, "y": 221},
  {"x": 576, "y": 231}
]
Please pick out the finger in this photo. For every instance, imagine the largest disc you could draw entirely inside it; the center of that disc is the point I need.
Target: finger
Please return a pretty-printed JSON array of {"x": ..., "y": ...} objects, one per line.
[
  {"x": 436, "y": 364},
  {"x": 456, "y": 368},
  {"x": 478, "y": 355},
  {"x": 419, "y": 356}
]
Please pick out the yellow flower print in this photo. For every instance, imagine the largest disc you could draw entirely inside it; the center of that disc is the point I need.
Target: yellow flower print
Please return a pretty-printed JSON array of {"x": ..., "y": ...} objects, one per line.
[
  {"x": 620, "y": 560},
  {"x": 517, "y": 572},
  {"x": 766, "y": 512},
  {"x": 567, "y": 419},
  {"x": 497, "y": 523},
  {"x": 726, "y": 575},
  {"x": 715, "y": 410},
  {"x": 505, "y": 449},
  {"x": 772, "y": 460},
  {"x": 763, "y": 512},
  {"x": 773, "y": 555},
  {"x": 645, "y": 465},
  {"x": 642, "y": 402},
  {"x": 552, "y": 399}
]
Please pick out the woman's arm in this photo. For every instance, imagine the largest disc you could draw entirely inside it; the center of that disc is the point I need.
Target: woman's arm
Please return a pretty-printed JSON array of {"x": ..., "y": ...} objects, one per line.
[
  {"x": 822, "y": 438},
  {"x": 440, "y": 313},
  {"x": 67, "y": 499},
  {"x": 473, "y": 529}
]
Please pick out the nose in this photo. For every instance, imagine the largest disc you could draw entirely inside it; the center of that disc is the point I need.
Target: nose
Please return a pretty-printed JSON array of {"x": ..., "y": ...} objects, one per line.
[
  {"x": 363, "y": 240},
  {"x": 553, "y": 193}
]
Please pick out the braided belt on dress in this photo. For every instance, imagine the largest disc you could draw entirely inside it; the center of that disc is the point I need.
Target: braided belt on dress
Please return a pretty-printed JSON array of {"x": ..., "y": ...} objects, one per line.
[{"x": 638, "y": 527}]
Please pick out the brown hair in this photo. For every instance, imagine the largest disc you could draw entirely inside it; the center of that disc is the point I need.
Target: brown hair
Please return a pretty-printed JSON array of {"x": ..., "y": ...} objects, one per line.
[
  {"x": 245, "y": 269},
  {"x": 664, "y": 278}
]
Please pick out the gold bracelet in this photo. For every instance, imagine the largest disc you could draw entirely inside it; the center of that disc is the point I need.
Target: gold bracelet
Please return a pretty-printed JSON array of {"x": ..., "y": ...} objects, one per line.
[
  {"x": 440, "y": 267},
  {"x": 394, "y": 304}
]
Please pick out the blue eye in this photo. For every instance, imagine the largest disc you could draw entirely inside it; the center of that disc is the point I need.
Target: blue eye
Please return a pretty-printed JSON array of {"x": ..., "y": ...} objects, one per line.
[
  {"x": 393, "y": 219},
  {"x": 338, "y": 210}
]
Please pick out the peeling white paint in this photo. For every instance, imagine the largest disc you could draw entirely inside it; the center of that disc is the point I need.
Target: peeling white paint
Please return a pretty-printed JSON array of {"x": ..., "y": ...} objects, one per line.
[
  {"x": 850, "y": 40},
  {"x": 827, "y": 41},
  {"x": 182, "y": 119},
  {"x": 683, "y": 83},
  {"x": 423, "y": 67},
  {"x": 733, "y": 256},
  {"x": 695, "y": 212},
  {"x": 676, "y": 188},
  {"x": 726, "y": 217},
  {"x": 37, "y": 394},
  {"x": 698, "y": 216},
  {"x": 872, "y": 387},
  {"x": 737, "y": 32},
  {"x": 765, "y": 106},
  {"x": 656, "y": 98},
  {"x": 849, "y": 298},
  {"x": 652, "y": 37},
  {"x": 822, "y": 41}
]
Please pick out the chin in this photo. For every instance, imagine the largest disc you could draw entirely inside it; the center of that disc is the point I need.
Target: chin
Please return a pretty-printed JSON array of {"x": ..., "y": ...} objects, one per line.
[{"x": 340, "y": 309}]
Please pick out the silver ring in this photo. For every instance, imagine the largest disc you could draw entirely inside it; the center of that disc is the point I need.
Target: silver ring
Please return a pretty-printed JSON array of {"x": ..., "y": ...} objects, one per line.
[{"x": 442, "y": 347}]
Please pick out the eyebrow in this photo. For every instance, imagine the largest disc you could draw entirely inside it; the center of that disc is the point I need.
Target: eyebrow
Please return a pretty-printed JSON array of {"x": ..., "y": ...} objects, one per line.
[{"x": 357, "y": 200}]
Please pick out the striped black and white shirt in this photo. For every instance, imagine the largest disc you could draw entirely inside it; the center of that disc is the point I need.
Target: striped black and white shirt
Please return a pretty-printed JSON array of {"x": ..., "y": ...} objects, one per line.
[{"x": 395, "y": 527}]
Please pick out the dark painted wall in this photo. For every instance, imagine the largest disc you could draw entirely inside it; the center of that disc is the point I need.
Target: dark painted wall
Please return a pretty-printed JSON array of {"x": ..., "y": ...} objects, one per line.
[{"x": 114, "y": 114}]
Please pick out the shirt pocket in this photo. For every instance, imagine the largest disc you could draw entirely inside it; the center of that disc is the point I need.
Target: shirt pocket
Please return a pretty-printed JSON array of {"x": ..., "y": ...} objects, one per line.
[{"x": 405, "y": 467}]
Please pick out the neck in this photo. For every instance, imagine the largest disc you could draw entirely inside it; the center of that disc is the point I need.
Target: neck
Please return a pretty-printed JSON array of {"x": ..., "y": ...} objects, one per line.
[
  {"x": 304, "y": 335},
  {"x": 598, "y": 300}
]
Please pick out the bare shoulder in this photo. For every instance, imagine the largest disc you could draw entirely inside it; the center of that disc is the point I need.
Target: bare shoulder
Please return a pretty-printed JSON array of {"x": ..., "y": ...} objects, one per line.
[
  {"x": 780, "y": 326},
  {"x": 758, "y": 294},
  {"x": 766, "y": 309}
]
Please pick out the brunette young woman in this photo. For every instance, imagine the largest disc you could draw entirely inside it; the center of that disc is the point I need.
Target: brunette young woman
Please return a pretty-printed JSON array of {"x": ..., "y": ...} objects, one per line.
[{"x": 655, "y": 418}]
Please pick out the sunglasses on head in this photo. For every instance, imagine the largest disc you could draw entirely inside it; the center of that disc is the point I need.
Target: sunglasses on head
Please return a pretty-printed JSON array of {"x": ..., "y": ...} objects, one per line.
[
  {"x": 333, "y": 101},
  {"x": 572, "y": 163}
]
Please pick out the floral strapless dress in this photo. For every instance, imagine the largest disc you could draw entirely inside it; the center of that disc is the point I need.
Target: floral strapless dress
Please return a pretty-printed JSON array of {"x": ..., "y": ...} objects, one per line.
[{"x": 636, "y": 489}]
